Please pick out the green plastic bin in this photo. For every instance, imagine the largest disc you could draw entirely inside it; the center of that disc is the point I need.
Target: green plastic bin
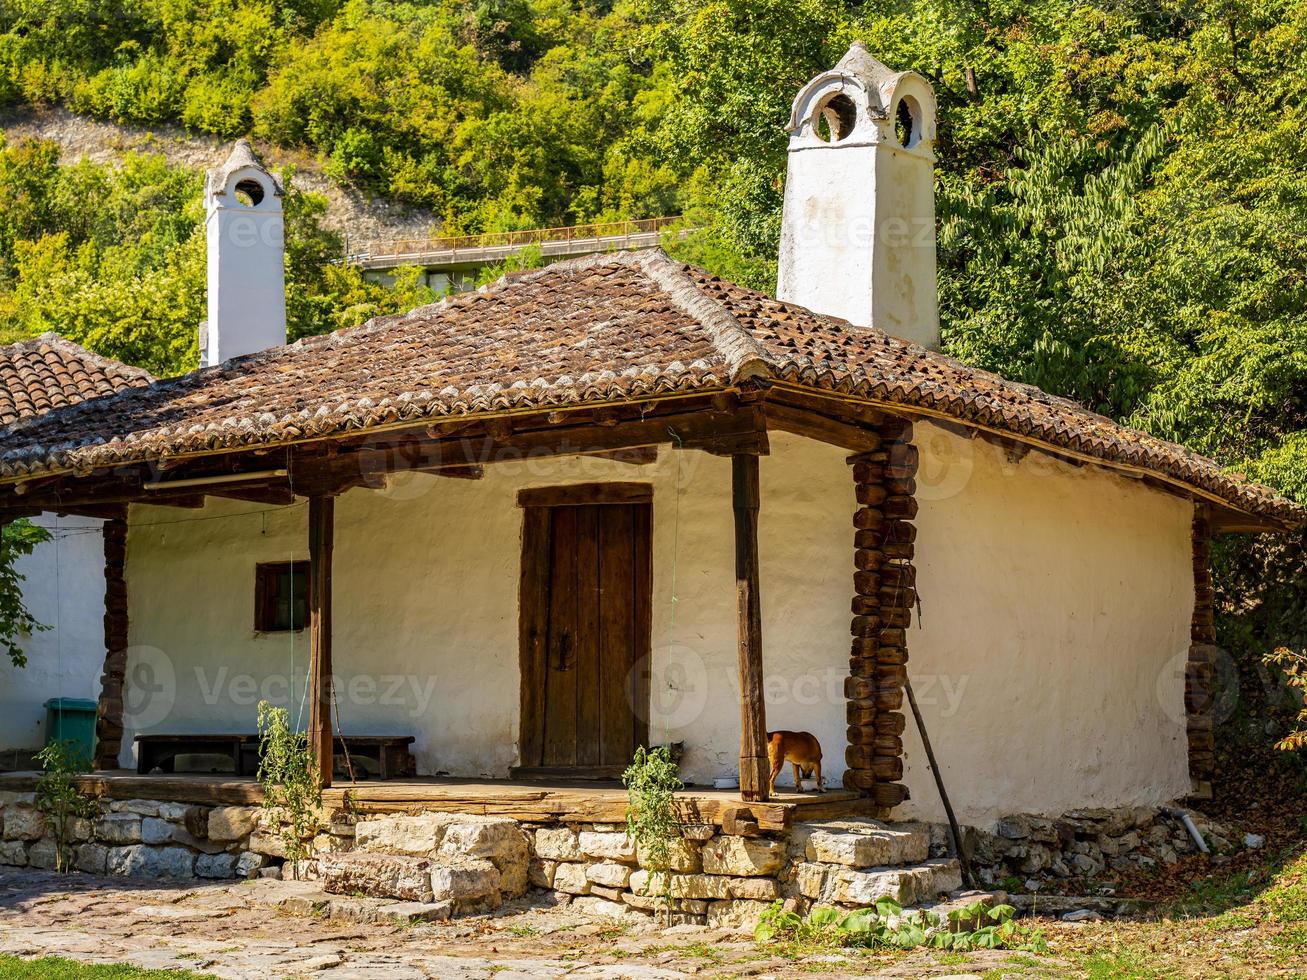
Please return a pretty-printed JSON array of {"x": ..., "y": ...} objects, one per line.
[{"x": 72, "y": 720}]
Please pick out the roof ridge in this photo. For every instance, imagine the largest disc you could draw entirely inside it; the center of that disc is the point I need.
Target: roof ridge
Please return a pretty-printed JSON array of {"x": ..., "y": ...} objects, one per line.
[{"x": 745, "y": 357}]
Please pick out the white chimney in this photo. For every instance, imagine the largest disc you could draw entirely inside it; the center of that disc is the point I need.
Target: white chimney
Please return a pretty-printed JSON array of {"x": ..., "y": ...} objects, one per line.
[
  {"x": 247, "y": 278},
  {"x": 858, "y": 233}
]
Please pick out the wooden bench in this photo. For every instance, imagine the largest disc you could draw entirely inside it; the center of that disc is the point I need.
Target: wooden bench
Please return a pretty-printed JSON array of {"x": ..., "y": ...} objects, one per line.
[{"x": 391, "y": 753}]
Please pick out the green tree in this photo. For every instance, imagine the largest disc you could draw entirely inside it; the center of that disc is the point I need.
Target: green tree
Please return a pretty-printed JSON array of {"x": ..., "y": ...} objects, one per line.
[{"x": 18, "y": 539}]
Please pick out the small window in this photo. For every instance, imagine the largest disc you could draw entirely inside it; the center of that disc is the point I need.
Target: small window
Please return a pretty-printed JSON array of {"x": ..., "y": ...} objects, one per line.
[{"x": 281, "y": 596}]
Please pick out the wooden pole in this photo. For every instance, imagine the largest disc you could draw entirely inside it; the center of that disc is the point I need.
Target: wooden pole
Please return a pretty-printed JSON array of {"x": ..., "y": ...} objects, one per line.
[
  {"x": 954, "y": 833},
  {"x": 754, "y": 767},
  {"x": 322, "y": 509},
  {"x": 109, "y": 709}
]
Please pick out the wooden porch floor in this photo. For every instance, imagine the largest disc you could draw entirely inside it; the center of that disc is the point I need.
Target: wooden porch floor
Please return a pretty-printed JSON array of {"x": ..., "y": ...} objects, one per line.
[{"x": 544, "y": 801}]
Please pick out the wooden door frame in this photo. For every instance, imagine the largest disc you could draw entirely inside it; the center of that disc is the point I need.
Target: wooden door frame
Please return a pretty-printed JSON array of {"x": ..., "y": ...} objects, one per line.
[{"x": 537, "y": 504}]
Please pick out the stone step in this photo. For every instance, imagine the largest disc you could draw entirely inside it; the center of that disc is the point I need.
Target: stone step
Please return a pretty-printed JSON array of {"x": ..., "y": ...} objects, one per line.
[
  {"x": 862, "y": 843},
  {"x": 919, "y": 883},
  {"x": 465, "y": 884}
]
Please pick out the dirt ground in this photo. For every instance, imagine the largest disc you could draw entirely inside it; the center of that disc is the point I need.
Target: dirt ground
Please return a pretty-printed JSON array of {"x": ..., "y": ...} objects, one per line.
[{"x": 237, "y": 930}]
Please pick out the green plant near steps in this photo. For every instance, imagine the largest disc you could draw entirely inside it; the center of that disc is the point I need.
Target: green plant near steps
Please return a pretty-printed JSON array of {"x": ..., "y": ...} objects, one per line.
[
  {"x": 59, "y": 799},
  {"x": 291, "y": 794},
  {"x": 652, "y": 781},
  {"x": 888, "y": 925}
]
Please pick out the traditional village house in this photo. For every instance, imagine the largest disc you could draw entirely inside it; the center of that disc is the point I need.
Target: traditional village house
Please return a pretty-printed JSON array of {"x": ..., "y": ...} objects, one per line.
[{"x": 620, "y": 500}]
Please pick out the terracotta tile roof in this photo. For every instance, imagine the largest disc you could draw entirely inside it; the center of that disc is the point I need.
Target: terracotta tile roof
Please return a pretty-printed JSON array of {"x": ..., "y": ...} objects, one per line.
[
  {"x": 610, "y": 327},
  {"x": 48, "y": 372}
]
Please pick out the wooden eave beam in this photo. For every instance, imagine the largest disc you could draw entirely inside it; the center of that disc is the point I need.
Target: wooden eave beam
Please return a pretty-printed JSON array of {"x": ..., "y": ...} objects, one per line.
[
  {"x": 821, "y": 428},
  {"x": 334, "y": 467}
]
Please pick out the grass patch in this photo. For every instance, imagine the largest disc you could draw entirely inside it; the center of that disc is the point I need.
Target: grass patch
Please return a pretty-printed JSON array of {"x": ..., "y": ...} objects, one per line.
[{"x": 57, "y": 968}]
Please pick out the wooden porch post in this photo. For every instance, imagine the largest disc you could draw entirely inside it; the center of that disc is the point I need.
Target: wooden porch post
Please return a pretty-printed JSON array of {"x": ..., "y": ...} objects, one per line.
[
  {"x": 754, "y": 767},
  {"x": 322, "y": 510},
  {"x": 109, "y": 711}
]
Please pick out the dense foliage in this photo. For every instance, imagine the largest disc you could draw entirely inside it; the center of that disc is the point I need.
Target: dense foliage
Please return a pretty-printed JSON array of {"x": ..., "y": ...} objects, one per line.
[
  {"x": 1121, "y": 186},
  {"x": 113, "y": 258},
  {"x": 18, "y": 538}
]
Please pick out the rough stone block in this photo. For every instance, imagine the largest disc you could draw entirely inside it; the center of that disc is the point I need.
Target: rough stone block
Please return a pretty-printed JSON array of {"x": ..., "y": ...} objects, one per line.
[
  {"x": 609, "y": 845},
  {"x": 119, "y": 828},
  {"x": 684, "y": 856},
  {"x": 151, "y": 862},
  {"x": 216, "y": 866},
  {"x": 571, "y": 878},
  {"x": 557, "y": 844},
  {"x": 540, "y": 873},
  {"x": 377, "y": 875},
  {"x": 810, "y": 879},
  {"x": 24, "y": 823},
  {"x": 863, "y": 888},
  {"x": 248, "y": 863},
  {"x": 419, "y": 835},
  {"x": 499, "y": 840},
  {"x": 155, "y": 830},
  {"x": 142, "y": 808},
  {"x": 698, "y": 886},
  {"x": 269, "y": 844},
  {"x": 470, "y": 882},
  {"x": 80, "y": 830},
  {"x": 42, "y": 854},
  {"x": 738, "y": 914},
  {"x": 92, "y": 858},
  {"x": 609, "y": 874},
  {"x": 743, "y": 856},
  {"x": 173, "y": 811},
  {"x": 13, "y": 853},
  {"x": 231, "y": 823},
  {"x": 603, "y": 908},
  {"x": 755, "y": 889}
]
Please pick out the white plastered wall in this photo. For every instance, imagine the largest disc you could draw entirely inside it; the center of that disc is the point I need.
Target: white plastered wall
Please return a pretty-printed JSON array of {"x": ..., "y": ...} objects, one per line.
[
  {"x": 64, "y": 590},
  {"x": 1060, "y": 594}
]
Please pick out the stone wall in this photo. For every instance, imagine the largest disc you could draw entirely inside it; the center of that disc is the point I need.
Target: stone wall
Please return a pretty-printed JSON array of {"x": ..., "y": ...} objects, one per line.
[
  {"x": 137, "y": 837},
  {"x": 1080, "y": 843},
  {"x": 450, "y": 864}
]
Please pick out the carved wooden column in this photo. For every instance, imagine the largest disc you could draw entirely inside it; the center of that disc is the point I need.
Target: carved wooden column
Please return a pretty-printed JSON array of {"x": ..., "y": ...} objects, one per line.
[
  {"x": 322, "y": 510},
  {"x": 884, "y": 585},
  {"x": 1200, "y": 671},
  {"x": 109, "y": 712},
  {"x": 754, "y": 768}
]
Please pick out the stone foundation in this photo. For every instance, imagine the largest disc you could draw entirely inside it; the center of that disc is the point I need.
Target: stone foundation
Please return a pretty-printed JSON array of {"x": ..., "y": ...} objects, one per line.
[
  {"x": 445, "y": 864},
  {"x": 1081, "y": 843}
]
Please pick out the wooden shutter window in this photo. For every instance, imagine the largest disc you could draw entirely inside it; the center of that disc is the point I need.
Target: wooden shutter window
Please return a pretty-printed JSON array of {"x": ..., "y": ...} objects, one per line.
[{"x": 281, "y": 596}]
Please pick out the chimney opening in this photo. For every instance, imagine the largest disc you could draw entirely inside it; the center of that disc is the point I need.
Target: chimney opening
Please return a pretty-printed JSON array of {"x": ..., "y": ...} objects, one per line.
[
  {"x": 907, "y": 126},
  {"x": 836, "y": 117},
  {"x": 249, "y": 192}
]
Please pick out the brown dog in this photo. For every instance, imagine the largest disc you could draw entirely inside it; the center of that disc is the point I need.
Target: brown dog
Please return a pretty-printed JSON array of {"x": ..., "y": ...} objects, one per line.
[{"x": 802, "y": 750}]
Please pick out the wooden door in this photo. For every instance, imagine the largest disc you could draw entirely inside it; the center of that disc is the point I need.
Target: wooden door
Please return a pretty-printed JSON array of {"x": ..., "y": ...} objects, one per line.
[{"x": 585, "y": 628}]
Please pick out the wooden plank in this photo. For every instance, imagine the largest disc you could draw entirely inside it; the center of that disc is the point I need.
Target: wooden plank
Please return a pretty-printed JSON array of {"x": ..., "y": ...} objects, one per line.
[
  {"x": 560, "y": 673},
  {"x": 589, "y": 720},
  {"x": 754, "y": 767},
  {"x": 322, "y": 510},
  {"x": 810, "y": 424},
  {"x": 563, "y": 801},
  {"x": 533, "y": 630},
  {"x": 585, "y": 494}
]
